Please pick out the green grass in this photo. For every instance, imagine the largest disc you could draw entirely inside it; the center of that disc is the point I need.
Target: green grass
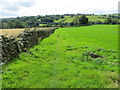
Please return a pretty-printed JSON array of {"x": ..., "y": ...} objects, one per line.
[
  {"x": 42, "y": 24},
  {"x": 59, "y": 20},
  {"x": 95, "y": 18},
  {"x": 62, "y": 60},
  {"x": 69, "y": 19}
]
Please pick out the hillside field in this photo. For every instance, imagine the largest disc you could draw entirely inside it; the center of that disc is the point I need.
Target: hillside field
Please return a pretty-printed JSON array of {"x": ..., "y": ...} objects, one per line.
[
  {"x": 69, "y": 19},
  {"x": 62, "y": 60}
]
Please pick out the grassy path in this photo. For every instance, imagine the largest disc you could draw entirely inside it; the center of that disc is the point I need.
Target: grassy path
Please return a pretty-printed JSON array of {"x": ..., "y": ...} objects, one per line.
[{"x": 62, "y": 60}]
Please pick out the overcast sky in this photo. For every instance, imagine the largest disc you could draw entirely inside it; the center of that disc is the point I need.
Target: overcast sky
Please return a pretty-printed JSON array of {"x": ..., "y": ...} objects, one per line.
[{"x": 13, "y": 8}]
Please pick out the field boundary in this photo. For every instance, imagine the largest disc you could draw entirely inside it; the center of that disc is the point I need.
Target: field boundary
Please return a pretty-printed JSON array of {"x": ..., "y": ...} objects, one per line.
[{"x": 12, "y": 46}]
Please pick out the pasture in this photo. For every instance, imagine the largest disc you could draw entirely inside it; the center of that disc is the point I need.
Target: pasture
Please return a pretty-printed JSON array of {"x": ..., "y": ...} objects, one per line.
[
  {"x": 62, "y": 60},
  {"x": 69, "y": 19},
  {"x": 95, "y": 18}
]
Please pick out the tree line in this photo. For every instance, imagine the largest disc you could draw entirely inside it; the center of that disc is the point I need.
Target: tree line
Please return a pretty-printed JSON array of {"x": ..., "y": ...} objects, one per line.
[{"x": 49, "y": 21}]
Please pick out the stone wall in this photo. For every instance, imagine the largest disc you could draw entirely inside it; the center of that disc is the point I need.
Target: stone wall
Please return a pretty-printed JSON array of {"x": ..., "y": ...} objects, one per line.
[{"x": 12, "y": 46}]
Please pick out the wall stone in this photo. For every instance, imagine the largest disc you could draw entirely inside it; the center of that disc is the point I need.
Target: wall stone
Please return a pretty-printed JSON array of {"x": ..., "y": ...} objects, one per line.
[{"x": 12, "y": 46}]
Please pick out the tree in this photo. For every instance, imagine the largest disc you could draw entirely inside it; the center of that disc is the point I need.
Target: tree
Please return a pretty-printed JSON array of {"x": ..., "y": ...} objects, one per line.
[
  {"x": 98, "y": 22},
  {"x": 75, "y": 22},
  {"x": 111, "y": 21},
  {"x": 18, "y": 24},
  {"x": 108, "y": 21},
  {"x": 91, "y": 22},
  {"x": 115, "y": 21},
  {"x": 83, "y": 20}
]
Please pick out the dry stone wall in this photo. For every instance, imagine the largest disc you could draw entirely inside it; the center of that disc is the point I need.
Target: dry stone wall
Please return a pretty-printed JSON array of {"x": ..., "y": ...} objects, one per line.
[{"x": 12, "y": 46}]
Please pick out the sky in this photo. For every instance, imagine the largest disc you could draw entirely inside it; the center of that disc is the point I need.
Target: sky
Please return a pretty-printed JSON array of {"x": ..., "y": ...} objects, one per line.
[{"x": 15, "y": 8}]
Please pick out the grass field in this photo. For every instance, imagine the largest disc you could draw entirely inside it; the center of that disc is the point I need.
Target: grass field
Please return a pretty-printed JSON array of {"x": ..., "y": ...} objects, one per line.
[
  {"x": 95, "y": 18},
  {"x": 62, "y": 60},
  {"x": 69, "y": 19}
]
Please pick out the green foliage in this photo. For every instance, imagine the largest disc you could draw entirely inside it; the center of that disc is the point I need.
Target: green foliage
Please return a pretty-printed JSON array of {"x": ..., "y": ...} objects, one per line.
[
  {"x": 57, "y": 20},
  {"x": 111, "y": 21},
  {"x": 62, "y": 60},
  {"x": 83, "y": 20},
  {"x": 96, "y": 18}
]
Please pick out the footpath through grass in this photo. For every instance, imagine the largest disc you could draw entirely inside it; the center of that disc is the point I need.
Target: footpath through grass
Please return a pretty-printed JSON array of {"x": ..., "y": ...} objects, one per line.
[{"x": 62, "y": 60}]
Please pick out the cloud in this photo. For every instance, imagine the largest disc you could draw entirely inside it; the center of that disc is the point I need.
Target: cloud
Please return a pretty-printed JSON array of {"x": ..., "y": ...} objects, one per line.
[
  {"x": 15, "y": 5},
  {"x": 11, "y": 8},
  {"x": 43, "y": 7},
  {"x": 4, "y": 13},
  {"x": 25, "y": 4}
]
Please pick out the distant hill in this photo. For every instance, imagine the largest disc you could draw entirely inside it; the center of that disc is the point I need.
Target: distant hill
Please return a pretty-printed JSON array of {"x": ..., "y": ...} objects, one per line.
[{"x": 55, "y": 20}]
